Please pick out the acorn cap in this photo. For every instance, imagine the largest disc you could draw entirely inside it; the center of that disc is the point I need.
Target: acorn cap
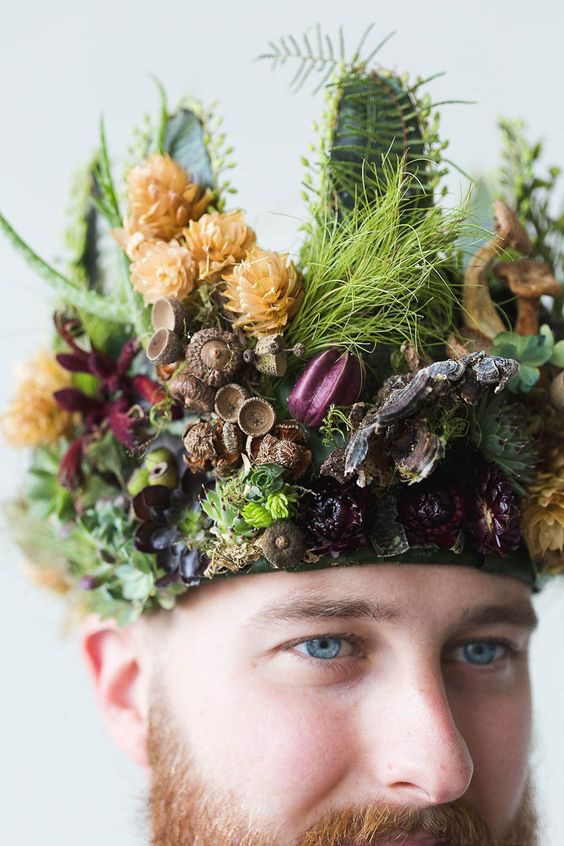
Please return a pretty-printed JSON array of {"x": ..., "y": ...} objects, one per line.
[
  {"x": 168, "y": 313},
  {"x": 256, "y": 416},
  {"x": 283, "y": 544},
  {"x": 228, "y": 402},
  {"x": 165, "y": 347},
  {"x": 509, "y": 229}
]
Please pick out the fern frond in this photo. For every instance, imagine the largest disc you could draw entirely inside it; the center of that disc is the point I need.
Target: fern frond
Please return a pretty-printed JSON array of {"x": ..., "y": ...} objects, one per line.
[{"x": 323, "y": 58}]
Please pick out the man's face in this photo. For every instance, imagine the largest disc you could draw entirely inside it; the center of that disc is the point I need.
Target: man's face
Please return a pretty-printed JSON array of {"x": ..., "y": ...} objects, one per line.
[{"x": 282, "y": 698}]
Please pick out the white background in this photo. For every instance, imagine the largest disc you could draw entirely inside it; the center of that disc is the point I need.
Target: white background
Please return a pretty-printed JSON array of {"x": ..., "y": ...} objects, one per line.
[{"x": 61, "y": 65}]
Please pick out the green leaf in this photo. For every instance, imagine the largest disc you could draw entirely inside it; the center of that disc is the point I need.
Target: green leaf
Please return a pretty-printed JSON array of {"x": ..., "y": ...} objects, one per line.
[
  {"x": 184, "y": 141},
  {"x": 528, "y": 377},
  {"x": 107, "y": 455},
  {"x": 557, "y": 357}
]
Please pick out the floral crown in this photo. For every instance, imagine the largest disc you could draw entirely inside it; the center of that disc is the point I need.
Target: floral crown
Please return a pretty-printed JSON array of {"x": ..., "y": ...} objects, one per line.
[{"x": 210, "y": 407}]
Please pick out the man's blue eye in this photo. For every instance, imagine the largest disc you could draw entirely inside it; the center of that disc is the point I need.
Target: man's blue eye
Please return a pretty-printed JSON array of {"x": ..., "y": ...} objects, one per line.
[
  {"x": 323, "y": 647},
  {"x": 481, "y": 651}
]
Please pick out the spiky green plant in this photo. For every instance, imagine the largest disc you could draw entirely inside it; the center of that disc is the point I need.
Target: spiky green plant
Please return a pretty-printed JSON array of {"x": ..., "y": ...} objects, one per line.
[{"x": 375, "y": 277}]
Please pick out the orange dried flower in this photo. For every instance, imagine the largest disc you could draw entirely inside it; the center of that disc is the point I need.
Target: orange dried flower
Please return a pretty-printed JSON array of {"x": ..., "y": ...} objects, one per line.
[
  {"x": 217, "y": 241},
  {"x": 131, "y": 236},
  {"x": 34, "y": 418},
  {"x": 163, "y": 269},
  {"x": 162, "y": 197},
  {"x": 265, "y": 290},
  {"x": 542, "y": 516}
]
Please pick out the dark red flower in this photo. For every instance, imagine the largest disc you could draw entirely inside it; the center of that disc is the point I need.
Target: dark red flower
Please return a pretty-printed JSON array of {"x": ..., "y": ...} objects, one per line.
[
  {"x": 494, "y": 520},
  {"x": 432, "y": 512}
]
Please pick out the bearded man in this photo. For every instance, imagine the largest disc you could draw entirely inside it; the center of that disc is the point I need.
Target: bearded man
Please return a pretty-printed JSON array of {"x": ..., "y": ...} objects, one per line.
[{"x": 303, "y": 518}]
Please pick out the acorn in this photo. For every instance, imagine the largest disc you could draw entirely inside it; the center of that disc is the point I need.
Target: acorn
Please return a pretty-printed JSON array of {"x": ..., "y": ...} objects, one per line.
[
  {"x": 228, "y": 401},
  {"x": 269, "y": 355},
  {"x": 214, "y": 357},
  {"x": 165, "y": 347},
  {"x": 192, "y": 392},
  {"x": 169, "y": 314},
  {"x": 256, "y": 416},
  {"x": 283, "y": 544}
]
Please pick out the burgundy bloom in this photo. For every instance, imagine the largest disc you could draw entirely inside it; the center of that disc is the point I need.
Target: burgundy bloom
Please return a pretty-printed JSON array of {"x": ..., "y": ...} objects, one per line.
[
  {"x": 116, "y": 403},
  {"x": 334, "y": 517},
  {"x": 494, "y": 518},
  {"x": 432, "y": 512}
]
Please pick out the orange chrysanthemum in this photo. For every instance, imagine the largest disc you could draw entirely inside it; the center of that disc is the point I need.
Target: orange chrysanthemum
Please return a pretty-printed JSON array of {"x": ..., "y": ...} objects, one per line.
[
  {"x": 218, "y": 241},
  {"x": 34, "y": 418},
  {"x": 163, "y": 269},
  {"x": 162, "y": 197},
  {"x": 265, "y": 290}
]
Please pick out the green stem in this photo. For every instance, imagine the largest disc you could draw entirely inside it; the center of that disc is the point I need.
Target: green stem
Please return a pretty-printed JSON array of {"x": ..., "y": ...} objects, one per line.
[{"x": 80, "y": 298}]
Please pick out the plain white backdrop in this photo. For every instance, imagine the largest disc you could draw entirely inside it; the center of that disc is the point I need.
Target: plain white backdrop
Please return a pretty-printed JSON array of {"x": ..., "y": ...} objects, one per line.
[{"x": 62, "y": 64}]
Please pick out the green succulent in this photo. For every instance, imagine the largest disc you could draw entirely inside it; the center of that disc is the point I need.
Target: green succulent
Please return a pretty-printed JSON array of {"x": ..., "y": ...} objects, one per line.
[
  {"x": 501, "y": 431},
  {"x": 531, "y": 351},
  {"x": 256, "y": 515}
]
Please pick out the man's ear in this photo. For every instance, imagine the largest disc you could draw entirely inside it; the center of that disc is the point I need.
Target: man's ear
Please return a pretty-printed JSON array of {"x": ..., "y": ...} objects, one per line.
[{"x": 115, "y": 662}]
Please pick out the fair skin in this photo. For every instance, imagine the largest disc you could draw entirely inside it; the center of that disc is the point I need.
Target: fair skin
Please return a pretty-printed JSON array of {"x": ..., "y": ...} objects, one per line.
[{"x": 299, "y": 693}]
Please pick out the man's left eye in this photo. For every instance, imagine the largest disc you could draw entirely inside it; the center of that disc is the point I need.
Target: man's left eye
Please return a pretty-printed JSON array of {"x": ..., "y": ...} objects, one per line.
[{"x": 483, "y": 652}]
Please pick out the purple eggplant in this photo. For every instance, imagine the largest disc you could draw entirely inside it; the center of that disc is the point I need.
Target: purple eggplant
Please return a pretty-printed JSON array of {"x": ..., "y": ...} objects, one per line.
[{"x": 331, "y": 378}]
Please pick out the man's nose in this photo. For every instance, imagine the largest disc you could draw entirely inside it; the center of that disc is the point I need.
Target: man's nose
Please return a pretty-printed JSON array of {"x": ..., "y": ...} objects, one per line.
[{"x": 415, "y": 750}]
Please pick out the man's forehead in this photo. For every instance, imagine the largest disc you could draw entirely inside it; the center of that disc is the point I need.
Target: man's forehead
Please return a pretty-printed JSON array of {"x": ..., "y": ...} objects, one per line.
[{"x": 379, "y": 593}]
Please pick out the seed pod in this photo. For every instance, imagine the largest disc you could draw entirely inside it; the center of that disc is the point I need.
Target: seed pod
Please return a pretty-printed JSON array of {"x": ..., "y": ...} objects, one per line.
[
  {"x": 283, "y": 544},
  {"x": 165, "y": 347},
  {"x": 256, "y": 416},
  {"x": 169, "y": 314},
  {"x": 228, "y": 401},
  {"x": 332, "y": 377},
  {"x": 194, "y": 394}
]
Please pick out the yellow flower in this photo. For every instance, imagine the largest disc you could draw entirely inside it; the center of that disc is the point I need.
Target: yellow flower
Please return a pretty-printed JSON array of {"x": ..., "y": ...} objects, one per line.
[
  {"x": 218, "y": 240},
  {"x": 265, "y": 290},
  {"x": 162, "y": 197},
  {"x": 163, "y": 269},
  {"x": 34, "y": 417},
  {"x": 542, "y": 516}
]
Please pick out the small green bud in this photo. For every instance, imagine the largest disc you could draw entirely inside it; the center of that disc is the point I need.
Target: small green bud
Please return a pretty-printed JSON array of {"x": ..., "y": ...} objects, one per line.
[
  {"x": 277, "y": 505},
  {"x": 257, "y": 515}
]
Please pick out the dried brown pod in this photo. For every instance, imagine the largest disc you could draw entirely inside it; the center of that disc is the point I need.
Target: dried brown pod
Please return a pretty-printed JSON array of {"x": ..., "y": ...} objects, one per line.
[
  {"x": 194, "y": 394},
  {"x": 228, "y": 401},
  {"x": 416, "y": 450},
  {"x": 165, "y": 347},
  {"x": 256, "y": 416},
  {"x": 529, "y": 280},
  {"x": 212, "y": 446},
  {"x": 286, "y": 444},
  {"x": 168, "y": 313},
  {"x": 214, "y": 356},
  {"x": 283, "y": 544},
  {"x": 270, "y": 356}
]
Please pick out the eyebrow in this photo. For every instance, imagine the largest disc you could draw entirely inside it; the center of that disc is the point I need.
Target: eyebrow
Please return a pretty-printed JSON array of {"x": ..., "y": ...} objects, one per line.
[{"x": 520, "y": 614}]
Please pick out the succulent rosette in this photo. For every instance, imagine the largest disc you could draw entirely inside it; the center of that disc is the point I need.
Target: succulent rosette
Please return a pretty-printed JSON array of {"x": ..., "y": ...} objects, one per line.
[{"x": 209, "y": 407}]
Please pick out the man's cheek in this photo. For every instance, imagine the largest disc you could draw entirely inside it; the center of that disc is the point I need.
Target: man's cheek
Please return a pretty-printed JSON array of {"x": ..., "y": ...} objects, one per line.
[{"x": 285, "y": 754}]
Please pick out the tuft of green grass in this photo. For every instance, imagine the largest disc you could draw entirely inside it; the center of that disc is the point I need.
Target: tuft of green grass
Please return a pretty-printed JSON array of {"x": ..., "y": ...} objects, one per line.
[{"x": 383, "y": 274}]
